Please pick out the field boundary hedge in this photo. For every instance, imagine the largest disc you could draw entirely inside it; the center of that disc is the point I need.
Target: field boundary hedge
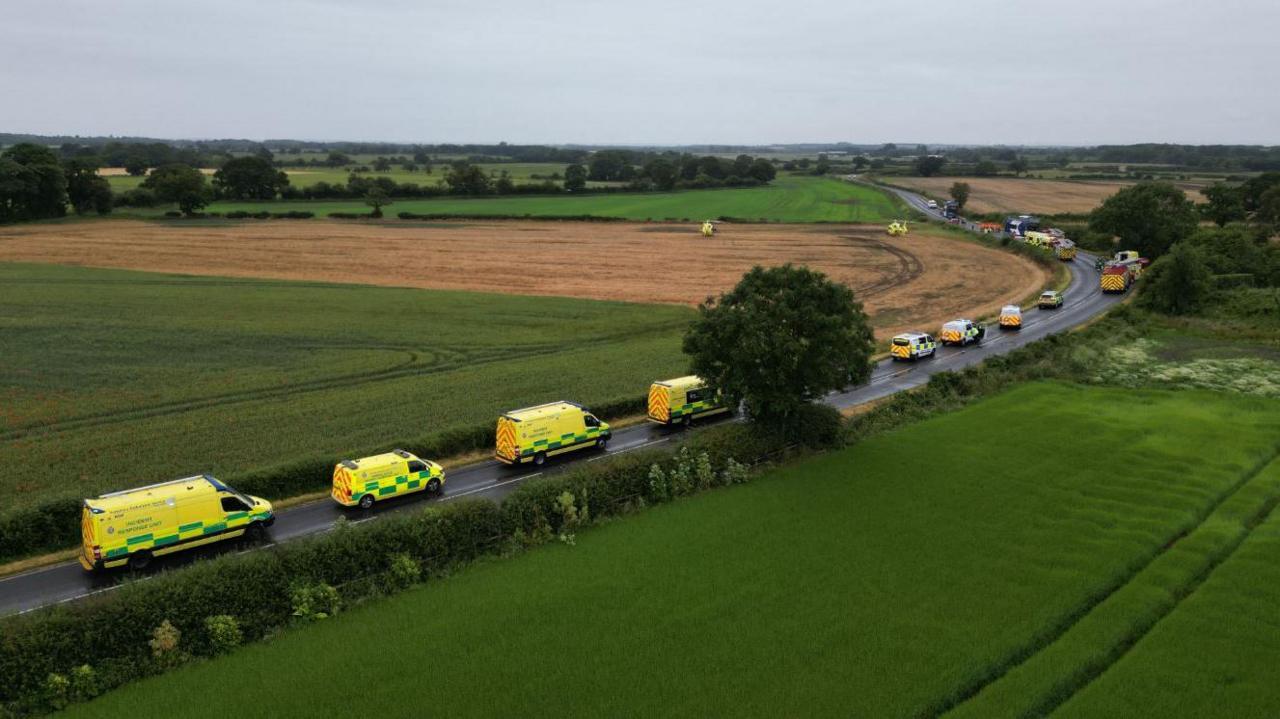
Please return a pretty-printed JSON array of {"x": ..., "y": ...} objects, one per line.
[
  {"x": 54, "y": 524},
  {"x": 73, "y": 652}
]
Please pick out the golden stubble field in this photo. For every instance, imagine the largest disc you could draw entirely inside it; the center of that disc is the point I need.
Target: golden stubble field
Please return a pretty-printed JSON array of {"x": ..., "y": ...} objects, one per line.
[
  {"x": 1021, "y": 195},
  {"x": 921, "y": 280}
]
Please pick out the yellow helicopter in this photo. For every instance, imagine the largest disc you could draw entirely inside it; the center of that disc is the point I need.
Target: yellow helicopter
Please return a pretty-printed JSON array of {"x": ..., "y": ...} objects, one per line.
[
  {"x": 708, "y": 228},
  {"x": 897, "y": 228}
]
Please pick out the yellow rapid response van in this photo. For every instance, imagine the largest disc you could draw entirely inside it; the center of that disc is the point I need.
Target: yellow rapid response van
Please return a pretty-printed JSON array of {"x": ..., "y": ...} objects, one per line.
[
  {"x": 132, "y": 526},
  {"x": 382, "y": 476},
  {"x": 680, "y": 400},
  {"x": 535, "y": 433}
]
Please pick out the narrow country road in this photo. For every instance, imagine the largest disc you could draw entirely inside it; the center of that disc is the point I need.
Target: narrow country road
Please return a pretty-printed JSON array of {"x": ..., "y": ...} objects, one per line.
[{"x": 492, "y": 480}]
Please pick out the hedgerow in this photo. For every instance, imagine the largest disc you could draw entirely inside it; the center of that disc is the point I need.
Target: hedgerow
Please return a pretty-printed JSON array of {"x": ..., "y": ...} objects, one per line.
[
  {"x": 55, "y": 524},
  {"x": 213, "y": 605}
]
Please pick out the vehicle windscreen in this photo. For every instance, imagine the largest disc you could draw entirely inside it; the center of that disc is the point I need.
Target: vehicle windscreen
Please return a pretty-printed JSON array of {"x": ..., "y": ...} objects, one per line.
[{"x": 901, "y": 342}]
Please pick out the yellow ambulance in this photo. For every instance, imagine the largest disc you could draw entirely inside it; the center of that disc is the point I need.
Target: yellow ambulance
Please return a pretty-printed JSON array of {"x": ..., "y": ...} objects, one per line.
[
  {"x": 535, "y": 433},
  {"x": 133, "y": 526},
  {"x": 680, "y": 400},
  {"x": 382, "y": 476},
  {"x": 1011, "y": 317}
]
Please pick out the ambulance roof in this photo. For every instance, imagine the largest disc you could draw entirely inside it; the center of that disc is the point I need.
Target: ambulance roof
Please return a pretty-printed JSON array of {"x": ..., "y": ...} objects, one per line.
[
  {"x": 379, "y": 460},
  {"x": 910, "y": 336},
  {"x": 543, "y": 410},
  {"x": 1010, "y": 309},
  {"x": 685, "y": 382},
  {"x": 199, "y": 484},
  {"x": 956, "y": 324}
]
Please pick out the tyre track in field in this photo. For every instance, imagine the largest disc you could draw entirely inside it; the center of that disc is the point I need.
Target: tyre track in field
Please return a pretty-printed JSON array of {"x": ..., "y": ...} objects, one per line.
[
  {"x": 409, "y": 368},
  {"x": 909, "y": 266}
]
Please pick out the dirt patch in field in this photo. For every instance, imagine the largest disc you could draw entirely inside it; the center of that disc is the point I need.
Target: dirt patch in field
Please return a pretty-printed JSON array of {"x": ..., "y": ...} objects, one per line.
[
  {"x": 921, "y": 280},
  {"x": 1013, "y": 195}
]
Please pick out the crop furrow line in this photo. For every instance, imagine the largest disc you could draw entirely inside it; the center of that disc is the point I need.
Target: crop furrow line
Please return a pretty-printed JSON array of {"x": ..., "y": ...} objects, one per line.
[{"x": 1026, "y": 653}]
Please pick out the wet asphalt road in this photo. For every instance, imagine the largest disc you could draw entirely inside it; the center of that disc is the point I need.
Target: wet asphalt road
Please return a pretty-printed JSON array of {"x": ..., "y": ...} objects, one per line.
[{"x": 493, "y": 480}]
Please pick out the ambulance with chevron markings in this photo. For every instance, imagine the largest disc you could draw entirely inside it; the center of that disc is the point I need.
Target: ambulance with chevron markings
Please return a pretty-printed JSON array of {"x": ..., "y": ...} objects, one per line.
[
  {"x": 135, "y": 525},
  {"x": 383, "y": 476},
  {"x": 681, "y": 400},
  {"x": 533, "y": 434}
]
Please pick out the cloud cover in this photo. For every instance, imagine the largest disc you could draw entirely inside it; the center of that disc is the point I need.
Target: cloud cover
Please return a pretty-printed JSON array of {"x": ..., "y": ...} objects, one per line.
[{"x": 661, "y": 71}]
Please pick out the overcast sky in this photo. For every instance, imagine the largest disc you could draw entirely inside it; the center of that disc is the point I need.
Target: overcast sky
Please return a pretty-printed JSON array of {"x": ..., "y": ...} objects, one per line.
[{"x": 649, "y": 71}]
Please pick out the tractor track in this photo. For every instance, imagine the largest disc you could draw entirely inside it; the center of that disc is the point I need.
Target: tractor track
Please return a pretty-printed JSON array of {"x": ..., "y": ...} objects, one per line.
[{"x": 909, "y": 266}]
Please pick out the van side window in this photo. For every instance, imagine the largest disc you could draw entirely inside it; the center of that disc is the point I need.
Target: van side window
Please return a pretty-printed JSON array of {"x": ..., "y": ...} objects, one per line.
[
  {"x": 695, "y": 395},
  {"x": 417, "y": 466},
  {"x": 590, "y": 421},
  {"x": 231, "y": 504}
]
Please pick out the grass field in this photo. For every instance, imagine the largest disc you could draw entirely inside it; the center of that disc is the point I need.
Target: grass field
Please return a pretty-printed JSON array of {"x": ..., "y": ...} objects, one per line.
[
  {"x": 787, "y": 199},
  {"x": 520, "y": 172},
  {"x": 115, "y": 378},
  {"x": 897, "y": 578}
]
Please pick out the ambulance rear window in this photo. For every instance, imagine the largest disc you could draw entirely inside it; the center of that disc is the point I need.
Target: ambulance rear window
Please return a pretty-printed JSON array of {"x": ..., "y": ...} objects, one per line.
[{"x": 901, "y": 342}]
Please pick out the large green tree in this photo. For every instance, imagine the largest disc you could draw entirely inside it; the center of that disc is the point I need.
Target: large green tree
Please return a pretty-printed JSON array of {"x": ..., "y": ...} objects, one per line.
[
  {"x": 1178, "y": 283},
  {"x": 929, "y": 165},
  {"x": 465, "y": 178},
  {"x": 1148, "y": 217},
  {"x": 960, "y": 193},
  {"x": 663, "y": 173},
  {"x": 763, "y": 170},
  {"x": 32, "y": 184},
  {"x": 180, "y": 184},
  {"x": 250, "y": 178},
  {"x": 1224, "y": 203},
  {"x": 575, "y": 178},
  {"x": 86, "y": 189},
  {"x": 780, "y": 339}
]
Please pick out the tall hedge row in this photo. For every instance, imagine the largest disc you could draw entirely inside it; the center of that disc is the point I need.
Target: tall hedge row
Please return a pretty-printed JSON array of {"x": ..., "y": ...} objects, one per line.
[
  {"x": 111, "y": 632},
  {"x": 55, "y": 524}
]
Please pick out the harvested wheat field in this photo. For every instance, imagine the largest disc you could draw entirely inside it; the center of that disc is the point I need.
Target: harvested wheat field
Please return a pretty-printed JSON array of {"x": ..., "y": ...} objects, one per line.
[
  {"x": 920, "y": 280},
  {"x": 1014, "y": 195}
]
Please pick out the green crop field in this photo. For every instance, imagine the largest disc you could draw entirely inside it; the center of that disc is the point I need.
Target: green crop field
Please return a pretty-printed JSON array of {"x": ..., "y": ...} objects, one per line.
[
  {"x": 787, "y": 199},
  {"x": 917, "y": 572},
  {"x": 115, "y": 378},
  {"x": 520, "y": 172}
]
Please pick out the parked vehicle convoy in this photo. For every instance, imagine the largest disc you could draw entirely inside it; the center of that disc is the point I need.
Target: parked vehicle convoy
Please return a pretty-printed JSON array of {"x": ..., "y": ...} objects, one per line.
[
  {"x": 1021, "y": 225},
  {"x": 1050, "y": 300},
  {"x": 913, "y": 346},
  {"x": 962, "y": 332},
  {"x": 1011, "y": 317},
  {"x": 135, "y": 525},
  {"x": 383, "y": 476},
  {"x": 683, "y": 399},
  {"x": 535, "y": 433},
  {"x": 1066, "y": 251}
]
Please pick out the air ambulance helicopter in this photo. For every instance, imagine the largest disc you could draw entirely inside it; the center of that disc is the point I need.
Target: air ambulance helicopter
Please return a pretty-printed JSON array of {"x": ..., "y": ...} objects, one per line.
[
  {"x": 708, "y": 228},
  {"x": 897, "y": 228}
]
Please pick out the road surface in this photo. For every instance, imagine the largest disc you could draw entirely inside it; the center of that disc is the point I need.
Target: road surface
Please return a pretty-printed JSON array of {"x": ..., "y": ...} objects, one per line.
[{"x": 492, "y": 480}]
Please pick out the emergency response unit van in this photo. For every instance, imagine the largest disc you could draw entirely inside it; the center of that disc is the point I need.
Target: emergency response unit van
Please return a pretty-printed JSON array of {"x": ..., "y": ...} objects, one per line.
[
  {"x": 962, "y": 332},
  {"x": 1011, "y": 317},
  {"x": 535, "y": 433},
  {"x": 680, "y": 400},
  {"x": 133, "y": 526},
  {"x": 382, "y": 476},
  {"x": 912, "y": 346}
]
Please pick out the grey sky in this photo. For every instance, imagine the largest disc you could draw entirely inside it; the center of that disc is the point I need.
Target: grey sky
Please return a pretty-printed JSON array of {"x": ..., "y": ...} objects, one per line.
[{"x": 656, "y": 71}]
